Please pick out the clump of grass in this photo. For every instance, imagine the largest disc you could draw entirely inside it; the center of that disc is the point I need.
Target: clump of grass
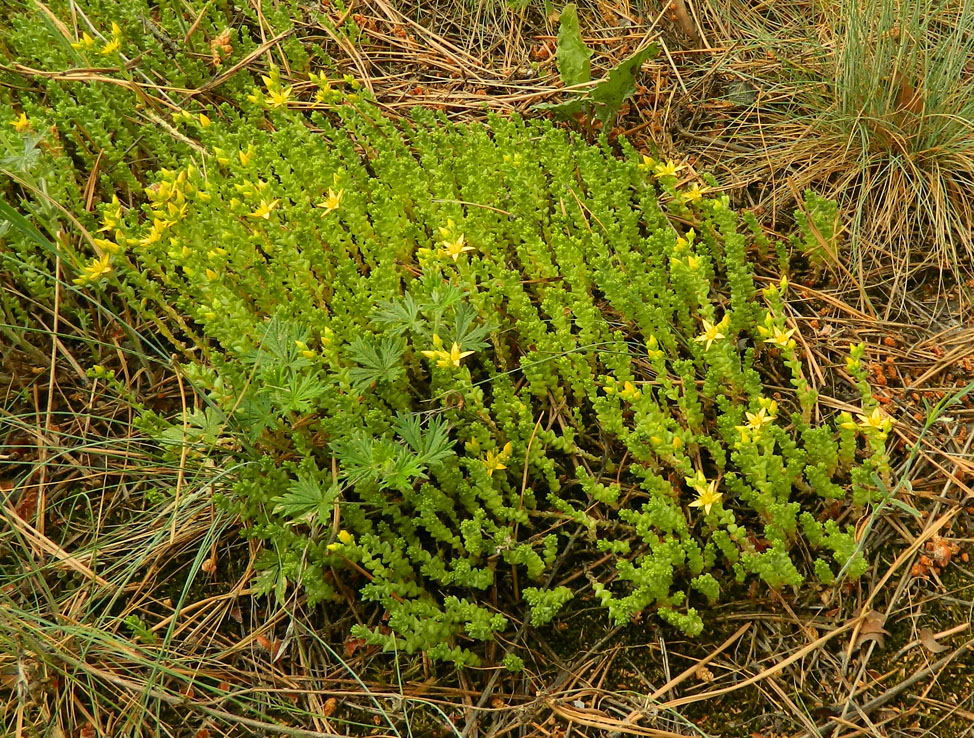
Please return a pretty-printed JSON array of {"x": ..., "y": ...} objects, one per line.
[
  {"x": 884, "y": 122},
  {"x": 904, "y": 110}
]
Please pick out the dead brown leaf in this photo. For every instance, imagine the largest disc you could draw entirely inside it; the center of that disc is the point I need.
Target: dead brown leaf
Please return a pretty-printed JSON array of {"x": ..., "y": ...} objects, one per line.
[
  {"x": 929, "y": 642},
  {"x": 872, "y": 630}
]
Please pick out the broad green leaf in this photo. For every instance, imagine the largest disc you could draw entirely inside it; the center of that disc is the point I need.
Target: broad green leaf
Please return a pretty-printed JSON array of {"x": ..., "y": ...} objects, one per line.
[
  {"x": 620, "y": 84},
  {"x": 574, "y": 57},
  {"x": 563, "y": 110}
]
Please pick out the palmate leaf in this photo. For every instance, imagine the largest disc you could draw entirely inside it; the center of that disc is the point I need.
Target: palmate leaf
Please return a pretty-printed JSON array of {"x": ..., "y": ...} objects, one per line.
[
  {"x": 305, "y": 498},
  {"x": 277, "y": 345},
  {"x": 378, "y": 360},
  {"x": 432, "y": 444},
  {"x": 388, "y": 464},
  {"x": 400, "y": 315},
  {"x": 200, "y": 430},
  {"x": 574, "y": 57},
  {"x": 442, "y": 297},
  {"x": 466, "y": 332},
  {"x": 299, "y": 393}
]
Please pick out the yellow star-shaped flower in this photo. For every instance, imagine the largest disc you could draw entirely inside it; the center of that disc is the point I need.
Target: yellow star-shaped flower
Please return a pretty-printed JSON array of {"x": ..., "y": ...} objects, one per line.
[
  {"x": 692, "y": 194},
  {"x": 495, "y": 461},
  {"x": 669, "y": 169},
  {"x": 759, "y": 419},
  {"x": 457, "y": 246},
  {"x": 707, "y": 494},
  {"x": 20, "y": 124},
  {"x": 711, "y": 333},
  {"x": 443, "y": 358},
  {"x": 332, "y": 201},
  {"x": 456, "y": 354},
  {"x": 876, "y": 420},
  {"x": 781, "y": 338},
  {"x": 264, "y": 209},
  {"x": 279, "y": 98},
  {"x": 95, "y": 270}
]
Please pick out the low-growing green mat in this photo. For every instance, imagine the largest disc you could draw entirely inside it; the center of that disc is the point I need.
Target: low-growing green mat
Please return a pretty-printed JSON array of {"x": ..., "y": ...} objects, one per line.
[
  {"x": 520, "y": 401},
  {"x": 457, "y": 363}
]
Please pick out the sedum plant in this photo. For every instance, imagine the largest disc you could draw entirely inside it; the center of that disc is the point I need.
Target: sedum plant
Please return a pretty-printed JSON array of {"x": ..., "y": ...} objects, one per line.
[{"x": 450, "y": 362}]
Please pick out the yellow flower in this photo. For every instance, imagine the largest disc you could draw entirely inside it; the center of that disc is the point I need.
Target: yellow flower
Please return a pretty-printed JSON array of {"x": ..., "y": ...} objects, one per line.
[
  {"x": 707, "y": 494},
  {"x": 781, "y": 338},
  {"x": 85, "y": 42},
  {"x": 755, "y": 424},
  {"x": 246, "y": 156},
  {"x": 495, "y": 461},
  {"x": 105, "y": 245},
  {"x": 648, "y": 163},
  {"x": 876, "y": 420},
  {"x": 711, "y": 333},
  {"x": 116, "y": 43},
  {"x": 332, "y": 201},
  {"x": 95, "y": 270},
  {"x": 692, "y": 194},
  {"x": 304, "y": 350},
  {"x": 344, "y": 539},
  {"x": 456, "y": 354},
  {"x": 264, "y": 209},
  {"x": 155, "y": 233},
  {"x": 112, "y": 218},
  {"x": 770, "y": 405},
  {"x": 456, "y": 247},
  {"x": 666, "y": 170},
  {"x": 20, "y": 124},
  {"x": 444, "y": 359},
  {"x": 759, "y": 419},
  {"x": 629, "y": 392},
  {"x": 204, "y": 120},
  {"x": 279, "y": 98}
]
